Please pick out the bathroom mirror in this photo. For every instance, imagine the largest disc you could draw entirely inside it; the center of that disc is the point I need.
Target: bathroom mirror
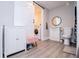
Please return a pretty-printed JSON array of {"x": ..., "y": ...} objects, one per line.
[{"x": 56, "y": 20}]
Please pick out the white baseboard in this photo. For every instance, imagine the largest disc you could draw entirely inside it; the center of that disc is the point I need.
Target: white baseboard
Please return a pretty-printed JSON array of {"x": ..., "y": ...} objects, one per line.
[{"x": 45, "y": 38}]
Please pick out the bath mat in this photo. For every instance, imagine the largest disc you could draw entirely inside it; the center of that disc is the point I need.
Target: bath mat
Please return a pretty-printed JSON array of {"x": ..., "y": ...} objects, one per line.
[{"x": 69, "y": 49}]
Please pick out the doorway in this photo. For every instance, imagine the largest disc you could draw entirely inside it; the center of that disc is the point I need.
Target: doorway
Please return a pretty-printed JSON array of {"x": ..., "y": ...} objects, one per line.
[{"x": 38, "y": 16}]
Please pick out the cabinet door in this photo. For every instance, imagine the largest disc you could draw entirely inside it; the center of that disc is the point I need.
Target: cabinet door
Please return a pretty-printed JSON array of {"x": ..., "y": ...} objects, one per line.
[
  {"x": 14, "y": 40},
  {"x": 55, "y": 34},
  {"x": 10, "y": 40},
  {"x": 0, "y": 42}
]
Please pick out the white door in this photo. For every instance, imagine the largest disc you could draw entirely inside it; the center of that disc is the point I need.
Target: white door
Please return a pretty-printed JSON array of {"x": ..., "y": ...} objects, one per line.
[{"x": 0, "y": 42}]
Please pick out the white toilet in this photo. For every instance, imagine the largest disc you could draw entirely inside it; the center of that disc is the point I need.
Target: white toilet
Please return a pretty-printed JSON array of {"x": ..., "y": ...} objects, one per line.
[{"x": 66, "y": 35}]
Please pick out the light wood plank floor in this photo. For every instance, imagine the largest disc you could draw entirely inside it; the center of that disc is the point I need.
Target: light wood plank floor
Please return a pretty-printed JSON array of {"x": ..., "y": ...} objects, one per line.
[{"x": 45, "y": 49}]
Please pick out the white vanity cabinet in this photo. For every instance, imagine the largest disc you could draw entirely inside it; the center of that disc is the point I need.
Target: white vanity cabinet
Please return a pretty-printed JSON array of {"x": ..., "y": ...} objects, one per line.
[
  {"x": 15, "y": 40},
  {"x": 20, "y": 39},
  {"x": 55, "y": 34},
  {"x": 10, "y": 40}
]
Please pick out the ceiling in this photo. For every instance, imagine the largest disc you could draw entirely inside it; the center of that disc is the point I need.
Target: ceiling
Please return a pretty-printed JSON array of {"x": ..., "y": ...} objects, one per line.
[{"x": 52, "y": 4}]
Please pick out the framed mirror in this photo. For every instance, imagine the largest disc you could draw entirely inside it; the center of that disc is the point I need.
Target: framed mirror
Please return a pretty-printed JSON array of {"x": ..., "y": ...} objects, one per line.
[{"x": 56, "y": 20}]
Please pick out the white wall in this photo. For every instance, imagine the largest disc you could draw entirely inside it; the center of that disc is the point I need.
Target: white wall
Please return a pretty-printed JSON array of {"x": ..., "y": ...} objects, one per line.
[
  {"x": 67, "y": 15},
  {"x": 23, "y": 13},
  {"x": 6, "y": 13},
  {"x": 45, "y": 32},
  {"x": 77, "y": 27},
  {"x": 0, "y": 42},
  {"x": 6, "y": 17},
  {"x": 77, "y": 23},
  {"x": 23, "y": 16}
]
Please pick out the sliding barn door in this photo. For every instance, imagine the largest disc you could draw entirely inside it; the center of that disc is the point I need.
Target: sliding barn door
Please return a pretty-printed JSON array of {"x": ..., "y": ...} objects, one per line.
[{"x": 37, "y": 19}]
